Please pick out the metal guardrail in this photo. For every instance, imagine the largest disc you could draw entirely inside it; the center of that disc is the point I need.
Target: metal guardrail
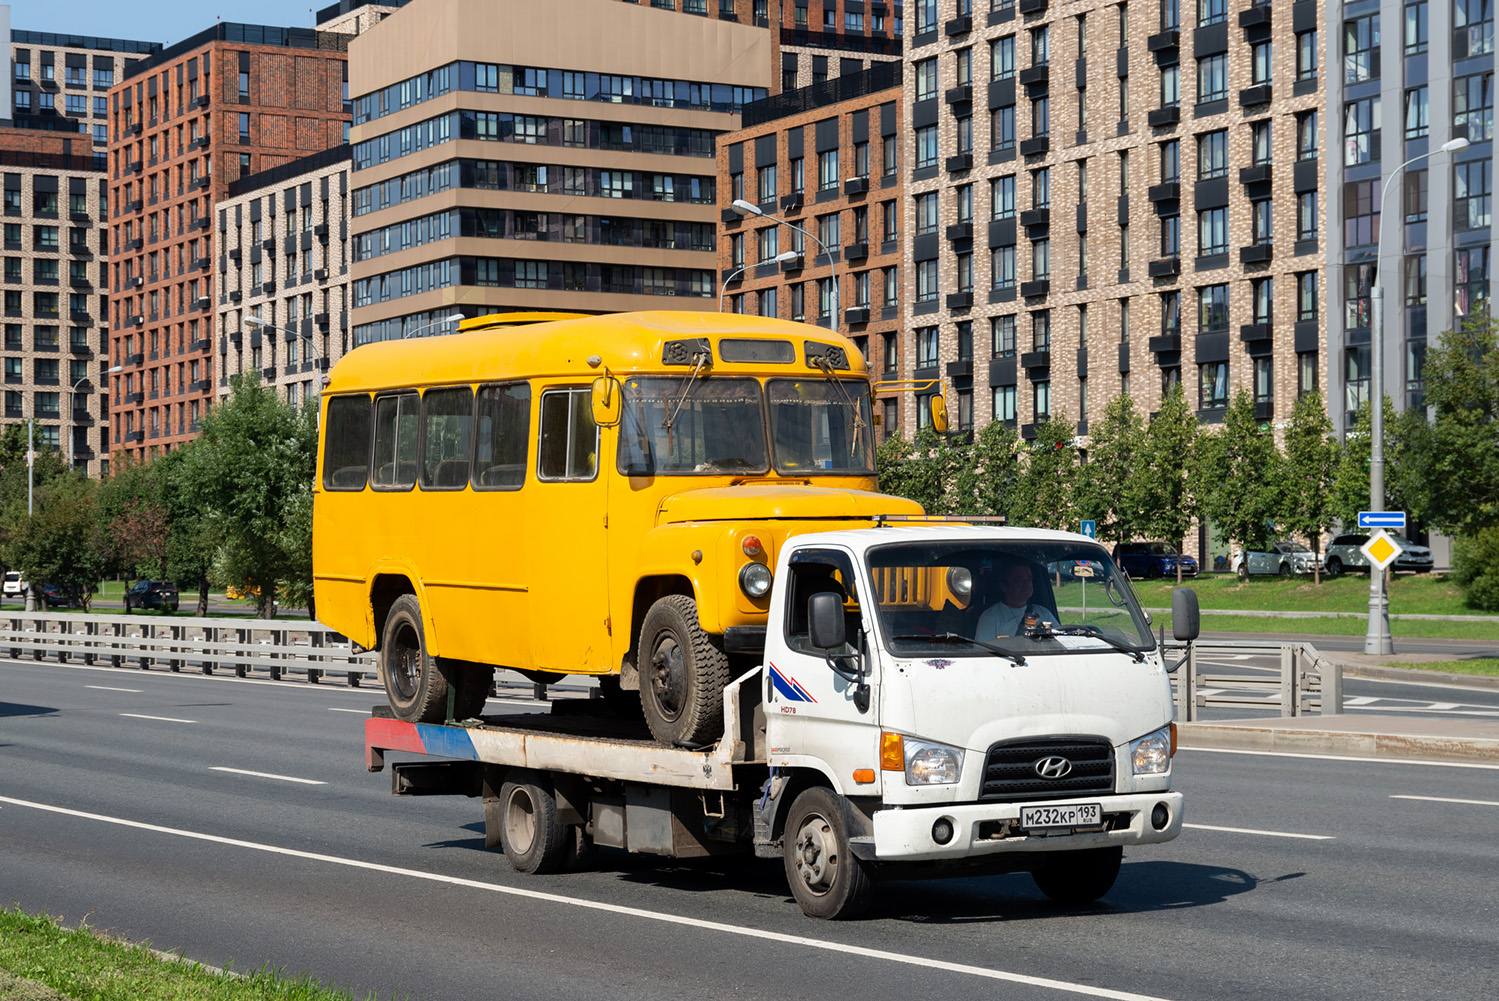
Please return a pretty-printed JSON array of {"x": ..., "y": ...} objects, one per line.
[
  {"x": 1308, "y": 682},
  {"x": 245, "y": 646}
]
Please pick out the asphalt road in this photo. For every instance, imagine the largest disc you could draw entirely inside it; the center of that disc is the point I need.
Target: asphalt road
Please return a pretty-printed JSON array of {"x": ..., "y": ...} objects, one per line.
[{"x": 132, "y": 798}]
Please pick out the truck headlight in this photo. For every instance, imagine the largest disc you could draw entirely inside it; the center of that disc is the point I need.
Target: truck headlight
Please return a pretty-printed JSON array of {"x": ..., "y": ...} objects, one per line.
[
  {"x": 754, "y": 580},
  {"x": 931, "y": 764},
  {"x": 1151, "y": 754}
]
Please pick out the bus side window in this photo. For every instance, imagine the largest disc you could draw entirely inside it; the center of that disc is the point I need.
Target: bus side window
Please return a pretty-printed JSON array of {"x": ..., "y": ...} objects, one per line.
[
  {"x": 501, "y": 436},
  {"x": 346, "y": 443},
  {"x": 569, "y": 448},
  {"x": 448, "y": 420},
  {"x": 395, "y": 441}
]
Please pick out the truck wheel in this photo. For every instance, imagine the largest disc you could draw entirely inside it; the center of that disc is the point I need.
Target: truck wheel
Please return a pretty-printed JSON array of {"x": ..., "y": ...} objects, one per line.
[
  {"x": 579, "y": 852},
  {"x": 1078, "y": 877},
  {"x": 682, "y": 674},
  {"x": 826, "y": 879},
  {"x": 533, "y": 839},
  {"x": 416, "y": 688}
]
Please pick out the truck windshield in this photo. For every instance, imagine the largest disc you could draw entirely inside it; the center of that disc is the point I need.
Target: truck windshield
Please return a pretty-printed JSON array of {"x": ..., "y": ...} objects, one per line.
[
  {"x": 1027, "y": 598},
  {"x": 820, "y": 426},
  {"x": 678, "y": 426}
]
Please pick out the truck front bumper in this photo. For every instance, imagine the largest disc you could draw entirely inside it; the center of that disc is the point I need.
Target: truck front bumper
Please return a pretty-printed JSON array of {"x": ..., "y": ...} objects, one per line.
[{"x": 902, "y": 835}]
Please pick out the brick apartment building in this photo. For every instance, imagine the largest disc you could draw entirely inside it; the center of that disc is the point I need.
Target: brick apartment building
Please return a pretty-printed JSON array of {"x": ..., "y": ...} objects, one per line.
[
  {"x": 503, "y": 161},
  {"x": 1150, "y": 213},
  {"x": 230, "y": 101},
  {"x": 291, "y": 221},
  {"x": 823, "y": 158},
  {"x": 56, "y": 338},
  {"x": 60, "y": 83}
]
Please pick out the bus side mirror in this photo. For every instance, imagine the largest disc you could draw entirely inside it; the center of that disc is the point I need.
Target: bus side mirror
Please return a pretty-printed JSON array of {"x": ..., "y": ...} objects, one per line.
[
  {"x": 606, "y": 401},
  {"x": 939, "y": 412},
  {"x": 1185, "y": 619},
  {"x": 825, "y": 620}
]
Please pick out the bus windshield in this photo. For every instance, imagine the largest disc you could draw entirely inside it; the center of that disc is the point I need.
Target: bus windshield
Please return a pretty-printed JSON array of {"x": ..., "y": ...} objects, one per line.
[
  {"x": 820, "y": 426},
  {"x": 683, "y": 426}
]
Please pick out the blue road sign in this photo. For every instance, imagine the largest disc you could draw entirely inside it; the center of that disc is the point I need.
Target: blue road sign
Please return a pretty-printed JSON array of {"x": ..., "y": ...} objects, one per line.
[
  {"x": 1090, "y": 529},
  {"x": 1381, "y": 519}
]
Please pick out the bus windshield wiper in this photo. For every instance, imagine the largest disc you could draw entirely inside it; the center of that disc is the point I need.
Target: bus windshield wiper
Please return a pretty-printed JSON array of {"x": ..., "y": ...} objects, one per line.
[
  {"x": 827, "y": 370},
  {"x": 970, "y": 641},
  {"x": 701, "y": 359}
]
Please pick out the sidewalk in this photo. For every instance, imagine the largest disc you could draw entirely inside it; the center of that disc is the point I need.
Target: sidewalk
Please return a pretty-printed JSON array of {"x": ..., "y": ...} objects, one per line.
[{"x": 1468, "y": 739}]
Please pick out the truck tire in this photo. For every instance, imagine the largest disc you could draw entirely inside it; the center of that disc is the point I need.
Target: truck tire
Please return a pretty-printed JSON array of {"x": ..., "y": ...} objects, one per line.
[
  {"x": 533, "y": 839},
  {"x": 826, "y": 878},
  {"x": 1078, "y": 877},
  {"x": 682, "y": 674},
  {"x": 415, "y": 686}
]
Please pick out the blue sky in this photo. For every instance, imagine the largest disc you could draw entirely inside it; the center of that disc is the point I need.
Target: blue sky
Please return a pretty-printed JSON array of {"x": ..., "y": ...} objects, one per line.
[{"x": 165, "y": 21}]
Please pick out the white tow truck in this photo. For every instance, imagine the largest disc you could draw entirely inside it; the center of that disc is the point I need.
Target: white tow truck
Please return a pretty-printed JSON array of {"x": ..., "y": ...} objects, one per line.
[{"x": 931, "y": 700}]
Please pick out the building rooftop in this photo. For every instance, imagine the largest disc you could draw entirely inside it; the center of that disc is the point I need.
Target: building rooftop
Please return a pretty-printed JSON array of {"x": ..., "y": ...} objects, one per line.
[
  {"x": 880, "y": 76},
  {"x": 21, "y": 37},
  {"x": 296, "y": 168},
  {"x": 349, "y": 6},
  {"x": 249, "y": 34}
]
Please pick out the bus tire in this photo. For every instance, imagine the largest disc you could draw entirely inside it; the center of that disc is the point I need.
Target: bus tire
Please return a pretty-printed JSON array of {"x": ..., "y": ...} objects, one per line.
[
  {"x": 682, "y": 674},
  {"x": 1079, "y": 877},
  {"x": 826, "y": 878},
  {"x": 533, "y": 839},
  {"x": 416, "y": 688}
]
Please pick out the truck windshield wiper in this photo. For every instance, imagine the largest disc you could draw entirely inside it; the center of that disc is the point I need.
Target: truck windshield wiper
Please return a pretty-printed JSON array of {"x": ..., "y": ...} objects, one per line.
[
  {"x": 957, "y": 638},
  {"x": 1093, "y": 634}
]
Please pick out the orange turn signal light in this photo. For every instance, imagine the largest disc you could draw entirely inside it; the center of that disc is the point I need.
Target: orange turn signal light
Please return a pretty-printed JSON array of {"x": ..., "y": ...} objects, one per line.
[
  {"x": 751, "y": 545},
  {"x": 892, "y": 753},
  {"x": 1173, "y": 740},
  {"x": 864, "y": 776}
]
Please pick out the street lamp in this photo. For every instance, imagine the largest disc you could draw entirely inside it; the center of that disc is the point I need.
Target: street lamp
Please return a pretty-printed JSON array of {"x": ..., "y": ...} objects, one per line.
[
  {"x": 1377, "y": 639},
  {"x": 745, "y": 208},
  {"x": 450, "y": 318},
  {"x": 789, "y": 255},
  {"x": 256, "y": 321},
  {"x": 73, "y": 393}
]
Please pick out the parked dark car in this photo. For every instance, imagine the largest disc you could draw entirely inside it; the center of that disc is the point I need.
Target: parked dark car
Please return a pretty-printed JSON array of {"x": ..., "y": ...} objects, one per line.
[
  {"x": 1152, "y": 559},
  {"x": 1344, "y": 555},
  {"x": 152, "y": 594},
  {"x": 53, "y": 596}
]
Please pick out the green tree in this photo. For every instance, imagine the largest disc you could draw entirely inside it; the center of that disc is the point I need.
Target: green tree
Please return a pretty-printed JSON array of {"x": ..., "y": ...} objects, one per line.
[
  {"x": 192, "y": 542},
  {"x": 1240, "y": 475},
  {"x": 986, "y": 479},
  {"x": 1407, "y": 454},
  {"x": 1110, "y": 482},
  {"x": 1311, "y": 465},
  {"x": 1474, "y": 561},
  {"x": 1167, "y": 473},
  {"x": 921, "y": 470},
  {"x": 254, "y": 457},
  {"x": 61, "y": 543},
  {"x": 1462, "y": 387},
  {"x": 1046, "y": 493}
]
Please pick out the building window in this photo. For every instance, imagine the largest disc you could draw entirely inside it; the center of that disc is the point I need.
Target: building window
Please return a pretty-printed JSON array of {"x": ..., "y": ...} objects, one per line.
[
  {"x": 1306, "y": 373},
  {"x": 1262, "y": 222},
  {"x": 1306, "y": 136},
  {"x": 1002, "y": 266},
  {"x": 1212, "y": 309},
  {"x": 1212, "y": 231},
  {"x": 1473, "y": 105},
  {"x": 1416, "y": 125},
  {"x": 926, "y": 347},
  {"x": 1002, "y": 336},
  {"x": 1002, "y": 128},
  {"x": 1212, "y": 155},
  {"x": 827, "y": 170},
  {"x": 1306, "y": 216},
  {"x": 1361, "y": 49},
  {"x": 1041, "y": 259},
  {"x": 1002, "y": 197},
  {"x": 1002, "y": 58},
  {"x": 926, "y": 213},
  {"x": 1041, "y": 400},
  {"x": 926, "y": 281},
  {"x": 1041, "y": 45},
  {"x": 1212, "y": 78},
  {"x": 1472, "y": 193},
  {"x": 1212, "y": 385},
  {"x": 1171, "y": 86},
  {"x": 1171, "y": 236},
  {"x": 888, "y": 221},
  {"x": 1307, "y": 300},
  {"x": 926, "y": 79},
  {"x": 1041, "y": 330},
  {"x": 1476, "y": 18},
  {"x": 1360, "y": 213},
  {"x": 1415, "y": 280},
  {"x": 1357, "y": 280},
  {"x": 1415, "y": 28},
  {"x": 892, "y": 287},
  {"x": 1415, "y": 195},
  {"x": 1041, "y": 117},
  {"x": 1004, "y": 404},
  {"x": 1211, "y": 12},
  {"x": 1264, "y": 384},
  {"x": 1472, "y": 278},
  {"x": 1041, "y": 188},
  {"x": 1260, "y": 63},
  {"x": 1361, "y": 131},
  {"x": 926, "y": 147}
]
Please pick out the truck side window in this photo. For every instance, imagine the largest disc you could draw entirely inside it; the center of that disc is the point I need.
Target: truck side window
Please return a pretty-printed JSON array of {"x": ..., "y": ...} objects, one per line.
[
  {"x": 346, "y": 445},
  {"x": 503, "y": 429},
  {"x": 569, "y": 448},
  {"x": 396, "y": 435},
  {"x": 812, "y": 572},
  {"x": 447, "y": 425}
]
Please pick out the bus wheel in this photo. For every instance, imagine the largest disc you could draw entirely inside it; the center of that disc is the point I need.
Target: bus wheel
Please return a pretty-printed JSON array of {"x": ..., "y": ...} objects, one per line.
[
  {"x": 826, "y": 879},
  {"x": 1079, "y": 877},
  {"x": 534, "y": 840},
  {"x": 417, "y": 690},
  {"x": 682, "y": 674}
]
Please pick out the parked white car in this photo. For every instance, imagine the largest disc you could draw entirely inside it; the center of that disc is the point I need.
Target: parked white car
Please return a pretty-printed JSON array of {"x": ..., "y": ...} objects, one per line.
[
  {"x": 14, "y": 586},
  {"x": 1284, "y": 557},
  {"x": 1345, "y": 554}
]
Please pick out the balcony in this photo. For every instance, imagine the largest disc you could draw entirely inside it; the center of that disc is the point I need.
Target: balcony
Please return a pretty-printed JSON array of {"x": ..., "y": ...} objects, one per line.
[
  {"x": 960, "y": 95},
  {"x": 200, "y": 264},
  {"x": 1251, "y": 332},
  {"x": 235, "y": 296},
  {"x": 135, "y": 244},
  {"x": 202, "y": 302},
  {"x": 1257, "y": 254},
  {"x": 958, "y": 26},
  {"x": 1031, "y": 6},
  {"x": 1168, "y": 191},
  {"x": 133, "y": 206},
  {"x": 1254, "y": 16},
  {"x": 960, "y": 231},
  {"x": 960, "y": 162},
  {"x": 202, "y": 344},
  {"x": 1035, "y": 217},
  {"x": 321, "y": 319},
  {"x": 1250, "y": 96},
  {"x": 794, "y": 264},
  {"x": 134, "y": 129},
  {"x": 1166, "y": 343},
  {"x": 134, "y": 167},
  {"x": 235, "y": 254},
  {"x": 201, "y": 101},
  {"x": 1040, "y": 286},
  {"x": 859, "y": 314},
  {"x": 1165, "y": 41},
  {"x": 960, "y": 300},
  {"x": 731, "y": 276},
  {"x": 726, "y": 215},
  {"x": 1165, "y": 267},
  {"x": 1257, "y": 174},
  {"x": 791, "y": 203},
  {"x": 1034, "y": 76},
  {"x": 1031, "y": 360},
  {"x": 320, "y": 275},
  {"x": 856, "y": 251},
  {"x": 199, "y": 143},
  {"x": 1160, "y": 118},
  {"x": 856, "y": 185},
  {"x": 321, "y": 231},
  {"x": 1035, "y": 146}
]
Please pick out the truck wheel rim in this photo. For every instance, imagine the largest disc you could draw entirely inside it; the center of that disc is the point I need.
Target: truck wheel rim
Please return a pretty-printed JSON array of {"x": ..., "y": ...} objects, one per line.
[
  {"x": 669, "y": 677},
  {"x": 815, "y": 854},
  {"x": 404, "y": 669},
  {"x": 520, "y": 822}
]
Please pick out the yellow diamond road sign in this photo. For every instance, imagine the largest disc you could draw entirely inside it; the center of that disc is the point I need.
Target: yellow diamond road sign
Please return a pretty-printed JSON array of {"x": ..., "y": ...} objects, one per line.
[{"x": 1381, "y": 550}]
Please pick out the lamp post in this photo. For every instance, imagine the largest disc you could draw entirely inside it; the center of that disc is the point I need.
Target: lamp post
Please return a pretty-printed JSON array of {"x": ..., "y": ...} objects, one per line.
[
  {"x": 73, "y": 393},
  {"x": 450, "y": 318},
  {"x": 789, "y": 255},
  {"x": 746, "y": 208},
  {"x": 1377, "y": 639}
]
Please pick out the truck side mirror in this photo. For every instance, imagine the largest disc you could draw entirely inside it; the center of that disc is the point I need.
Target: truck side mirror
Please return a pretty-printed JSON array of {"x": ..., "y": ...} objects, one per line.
[
  {"x": 825, "y": 619},
  {"x": 606, "y": 401},
  {"x": 1185, "y": 618},
  {"x": 939, "y": 413}
]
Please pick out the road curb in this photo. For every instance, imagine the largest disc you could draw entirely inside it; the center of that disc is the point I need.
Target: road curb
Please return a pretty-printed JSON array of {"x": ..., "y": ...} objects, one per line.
[
  {"x": 1354, "y": 669},
  {"x": 1209, "y": 736}
]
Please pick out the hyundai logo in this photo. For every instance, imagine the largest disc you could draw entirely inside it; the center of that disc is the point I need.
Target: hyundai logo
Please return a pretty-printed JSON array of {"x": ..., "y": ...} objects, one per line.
[{"x": 1054, "y": 767}]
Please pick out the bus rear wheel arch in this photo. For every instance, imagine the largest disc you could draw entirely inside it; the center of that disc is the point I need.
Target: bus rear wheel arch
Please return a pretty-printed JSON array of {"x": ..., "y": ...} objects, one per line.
[{"x": 683, "y": 673}]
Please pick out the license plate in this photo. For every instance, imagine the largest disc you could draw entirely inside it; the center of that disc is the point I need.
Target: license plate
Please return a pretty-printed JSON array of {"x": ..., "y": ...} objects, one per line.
[{"x": 1034, "y": 818}]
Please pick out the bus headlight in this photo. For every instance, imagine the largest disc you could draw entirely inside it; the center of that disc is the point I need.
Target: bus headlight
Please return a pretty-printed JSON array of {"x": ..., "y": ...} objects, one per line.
[
  {"x": 754, "y": 580},
  {"x": 960, "y": 581},
  {"x": 1151, "y": 754},
  {"x": 931, "y": 764}
]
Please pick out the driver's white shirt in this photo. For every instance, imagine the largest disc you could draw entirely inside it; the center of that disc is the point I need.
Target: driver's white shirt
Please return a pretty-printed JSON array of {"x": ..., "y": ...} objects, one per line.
[{"x": 1000, "y": 619}]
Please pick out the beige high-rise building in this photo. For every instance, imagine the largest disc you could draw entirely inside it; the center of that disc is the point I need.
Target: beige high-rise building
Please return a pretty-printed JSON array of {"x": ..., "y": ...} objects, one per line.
[{"x": 504, "y": 161}]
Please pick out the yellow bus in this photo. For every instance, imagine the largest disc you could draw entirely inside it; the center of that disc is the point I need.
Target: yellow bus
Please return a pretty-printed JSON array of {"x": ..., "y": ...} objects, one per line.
[{"x": 596, "y": 495}]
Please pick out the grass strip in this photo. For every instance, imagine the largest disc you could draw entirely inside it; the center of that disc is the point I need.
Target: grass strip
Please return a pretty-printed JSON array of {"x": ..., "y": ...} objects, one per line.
[
  {"x": 82, "y": 965},
  {"x": 1399, "y": 628},
  {"x": 1486, "y": 667},
  {"x": 1411, "y": 594}
]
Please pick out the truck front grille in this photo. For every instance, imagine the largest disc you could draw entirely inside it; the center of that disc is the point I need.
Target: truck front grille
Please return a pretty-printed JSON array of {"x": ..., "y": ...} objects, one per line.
[{"x": 1010, "y": 769}]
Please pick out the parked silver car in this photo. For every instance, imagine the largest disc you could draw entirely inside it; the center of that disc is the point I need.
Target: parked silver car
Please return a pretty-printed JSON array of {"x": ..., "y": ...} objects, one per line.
[
  {"x": 1343, "y": 555},
  {"x": 1284, "y": 557}
]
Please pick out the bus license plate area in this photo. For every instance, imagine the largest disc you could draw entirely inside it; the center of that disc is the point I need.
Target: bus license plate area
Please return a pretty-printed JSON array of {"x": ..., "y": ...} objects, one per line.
[{"x": 1058, "y": 818}]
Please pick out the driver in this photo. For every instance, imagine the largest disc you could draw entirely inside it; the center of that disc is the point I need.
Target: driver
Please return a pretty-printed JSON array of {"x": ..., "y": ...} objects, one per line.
[{"x": 1004, "y": 617}]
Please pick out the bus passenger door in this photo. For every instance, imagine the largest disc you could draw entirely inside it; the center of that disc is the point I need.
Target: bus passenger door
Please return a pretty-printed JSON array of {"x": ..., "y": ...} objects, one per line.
[{"x": 567, "y": 538}]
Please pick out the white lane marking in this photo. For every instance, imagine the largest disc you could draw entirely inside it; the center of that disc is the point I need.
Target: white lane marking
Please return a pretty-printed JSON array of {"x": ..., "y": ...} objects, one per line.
[
  {"x": 1268, "y": 834},
  {"x": 1439, "y": 799},
  {"x": 1341, "y": 757},
  {"x": 164, "y": 719},
  {"x": 1421, "y": 708},
  {"x": 904, "y": 959},
  {"x": 106, "y": 688},
  {"x": 1360, "y": 700},
  {"x": 268, "y": 775}
]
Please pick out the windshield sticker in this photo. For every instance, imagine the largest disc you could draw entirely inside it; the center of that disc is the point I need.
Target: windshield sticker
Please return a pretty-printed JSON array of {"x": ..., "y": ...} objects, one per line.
[
  {"x": 939, "y": 663},
  {"x": 1079, "y": 642}
]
